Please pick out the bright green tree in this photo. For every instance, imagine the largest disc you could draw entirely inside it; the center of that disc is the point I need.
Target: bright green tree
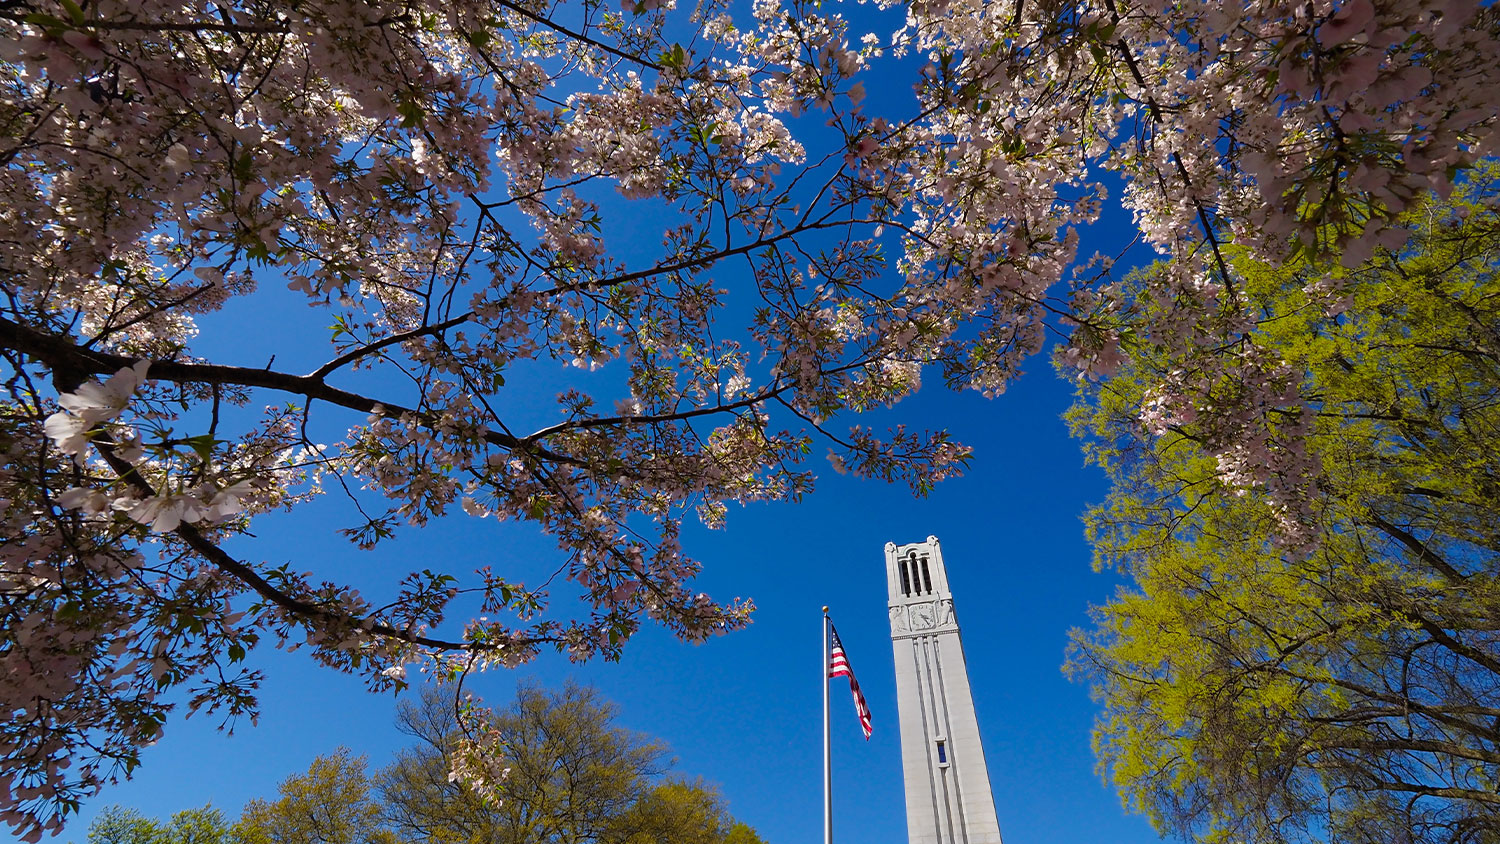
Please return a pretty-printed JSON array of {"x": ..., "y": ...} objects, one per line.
[
  {"x": 333, "y": 803},
  {"x": 199, "y": 826},
  {"x": 121, "y": 825},
  {"x": 680, "y": 812},
  {"x": 740, "y": 832},
  {"x": 1256, "y": 690},
  {"x": 574, "y": 777}
]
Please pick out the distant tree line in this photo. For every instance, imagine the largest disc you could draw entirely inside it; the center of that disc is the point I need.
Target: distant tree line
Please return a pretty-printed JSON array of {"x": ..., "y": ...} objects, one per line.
[{"x": 574, "y": 778}]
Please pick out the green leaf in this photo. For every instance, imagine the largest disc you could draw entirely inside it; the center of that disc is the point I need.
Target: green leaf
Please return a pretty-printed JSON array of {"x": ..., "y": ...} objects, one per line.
[
  {"x": 74, "y": 11},
  {"x": 51, "y": 24},
  {"x": 675, "y": 58},
  {"x": 202, "y": 445},
  {"x": 538, "y": 507},
  {"x": 412, "y": 114}
]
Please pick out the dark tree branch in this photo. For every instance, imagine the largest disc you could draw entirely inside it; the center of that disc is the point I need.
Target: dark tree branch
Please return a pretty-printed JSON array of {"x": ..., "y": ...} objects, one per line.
[
  {"x": 1424, "y": 553},
  {"x": 247, "y": 575},
  {"x": 73, "y": 363},
  {"x": 1474, "y": 794}
]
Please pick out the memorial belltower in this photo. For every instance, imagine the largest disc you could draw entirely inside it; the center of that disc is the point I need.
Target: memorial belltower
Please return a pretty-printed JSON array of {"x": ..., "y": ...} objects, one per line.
[{"x": 948, "y": 799}]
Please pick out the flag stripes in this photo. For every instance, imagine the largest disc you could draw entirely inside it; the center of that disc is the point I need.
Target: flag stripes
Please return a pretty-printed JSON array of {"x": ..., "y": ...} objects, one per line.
[{"x": 838, "y": 666}]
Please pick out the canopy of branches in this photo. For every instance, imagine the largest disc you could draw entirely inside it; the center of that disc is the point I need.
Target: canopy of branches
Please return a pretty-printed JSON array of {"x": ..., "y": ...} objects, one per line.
[{"x": 446, "y": 181}]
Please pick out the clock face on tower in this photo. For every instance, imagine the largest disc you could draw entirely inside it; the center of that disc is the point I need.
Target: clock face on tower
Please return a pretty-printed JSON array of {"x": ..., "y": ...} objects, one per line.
[{"x": 921, "y": 616}]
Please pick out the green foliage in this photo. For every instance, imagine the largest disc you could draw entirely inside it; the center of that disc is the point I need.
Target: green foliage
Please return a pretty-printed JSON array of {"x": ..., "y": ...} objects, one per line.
[
  {"x": 574, "y": 777},
  {"x": 199, "y": 826},
  {"x": 680, "y": 812},
  {"x": 742, "y": 833},
  {"x": 119, "y": 825},
  {"x": 571, "y": 771},
  {"x": 1351, "y": 691},
  {"x": 330, "y": 804}
]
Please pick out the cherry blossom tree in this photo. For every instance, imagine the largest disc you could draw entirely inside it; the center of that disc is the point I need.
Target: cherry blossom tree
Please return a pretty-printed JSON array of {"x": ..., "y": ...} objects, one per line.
[{"x": 446, "y": 180}]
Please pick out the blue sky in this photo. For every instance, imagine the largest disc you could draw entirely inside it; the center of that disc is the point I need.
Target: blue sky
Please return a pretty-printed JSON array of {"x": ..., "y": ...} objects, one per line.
[{"x": 743, "y": 710}]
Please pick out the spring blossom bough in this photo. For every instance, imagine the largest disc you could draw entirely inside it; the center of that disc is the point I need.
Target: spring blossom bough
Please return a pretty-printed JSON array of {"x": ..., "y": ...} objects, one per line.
[{"x": 439, "y": 178}]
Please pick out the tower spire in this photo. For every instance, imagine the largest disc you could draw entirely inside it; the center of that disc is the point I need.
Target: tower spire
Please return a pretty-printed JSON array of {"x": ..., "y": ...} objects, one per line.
[{"x": 948, "y": 798}]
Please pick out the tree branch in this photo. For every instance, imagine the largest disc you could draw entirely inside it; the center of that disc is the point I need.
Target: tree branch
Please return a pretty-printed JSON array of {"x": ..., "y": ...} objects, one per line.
[
  {"x": 355, "y": 354},
  {"x": 74, "y": 363},
  {"x": 1416, "y": 745},
  {"x": 194, "y": 538},
  {"x": 1424, "y": 554},
  {"x": 1441, "y": 791}
]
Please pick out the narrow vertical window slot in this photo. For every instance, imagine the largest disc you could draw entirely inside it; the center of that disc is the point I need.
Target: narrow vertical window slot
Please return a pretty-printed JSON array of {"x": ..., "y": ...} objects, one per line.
[
  {"x": 926, "y": 578},
  {"x": 905, "y": 580},
  {"x": 942, "y": 749}
]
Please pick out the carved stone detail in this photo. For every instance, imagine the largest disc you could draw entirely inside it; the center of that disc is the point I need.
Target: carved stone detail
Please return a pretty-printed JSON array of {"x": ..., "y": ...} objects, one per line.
[{"x": 898, "y": 620}]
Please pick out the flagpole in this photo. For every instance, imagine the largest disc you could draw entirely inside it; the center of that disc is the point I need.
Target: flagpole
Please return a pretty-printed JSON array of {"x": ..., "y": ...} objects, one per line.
[{"x": 827, "y": 744}]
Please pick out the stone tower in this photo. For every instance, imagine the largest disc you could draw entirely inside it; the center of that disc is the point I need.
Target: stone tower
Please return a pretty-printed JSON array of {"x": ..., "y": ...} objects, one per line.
[{"x": 948, "y": 799}]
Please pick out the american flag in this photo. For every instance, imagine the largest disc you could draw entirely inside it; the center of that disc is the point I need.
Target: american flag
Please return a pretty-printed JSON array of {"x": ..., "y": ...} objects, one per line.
[{"x": 838, "y": 666}]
